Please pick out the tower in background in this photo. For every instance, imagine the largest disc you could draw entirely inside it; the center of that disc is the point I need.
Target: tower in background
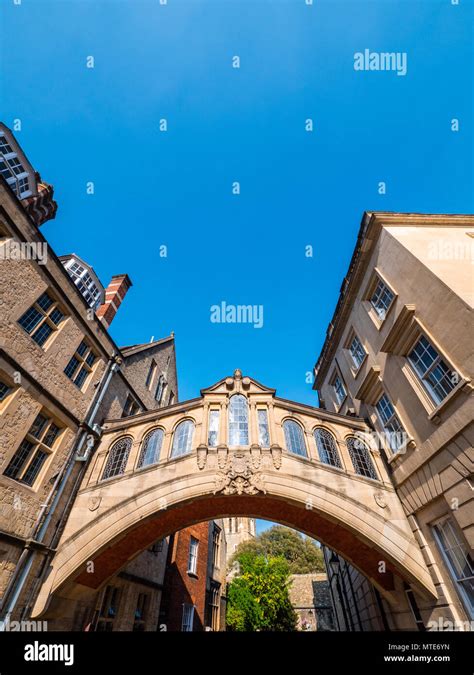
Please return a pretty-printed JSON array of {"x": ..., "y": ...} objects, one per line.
[{"x": 238, "y": 530}]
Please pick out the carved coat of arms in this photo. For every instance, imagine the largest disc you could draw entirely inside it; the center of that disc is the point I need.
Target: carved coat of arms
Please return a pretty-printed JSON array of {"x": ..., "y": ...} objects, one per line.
[{"x": 237, "y": 477}]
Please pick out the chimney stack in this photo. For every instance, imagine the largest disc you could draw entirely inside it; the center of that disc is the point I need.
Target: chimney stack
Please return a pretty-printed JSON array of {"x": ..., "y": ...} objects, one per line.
[{"x": 114, "y": 294}]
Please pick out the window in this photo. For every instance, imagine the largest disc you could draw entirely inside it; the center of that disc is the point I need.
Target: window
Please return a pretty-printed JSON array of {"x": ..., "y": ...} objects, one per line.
[
  {"x": 381, "y": 299},
  {"x": 294, "y": 438},
  {"x": 360, "y": 458},
  {"x": 28, "y": 460},
  {"x": 151, "y": 375},
  {"x": 213, "y": 606},
  {"x": 357, "y": 352},
  {"x": 141, "y": 612},
  {"x": 213, "y": 433},
  {"x": 80, "y": 365},
  {"x": 188, "y": 618},
  {"x": 238, "y": 420},
  {"x": 171, "y": 398},
  {"x": 117, "y": 459},
  {"x": 86, "y": 285},
  {"x": 4, "y": 391},
  {"x": 131, "y": 407},
  {"x": 263, "y": 430},
  {"x": 193, "y": 555},
  {"x": 108, "y": 609},
  {"x": 339, "y": 389},
  {"x": 391, "y": 423},
  {"x": 183, "y": 438},
  {"x": 327, "y": 448},
  {"x": 216, "y": 546},
  {"x": 151, "y": 448},
  {"x": 438, "y": 378},
  {"x": 160, "y": 389},
  {"x": 13, "y": 170},
  {"x": 42, "y": 319},
  {"x": 458, "y": 559}
]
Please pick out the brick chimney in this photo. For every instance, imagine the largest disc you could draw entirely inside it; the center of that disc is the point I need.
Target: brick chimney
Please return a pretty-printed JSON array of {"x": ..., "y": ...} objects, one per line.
[{"x": 114, "y": 294}]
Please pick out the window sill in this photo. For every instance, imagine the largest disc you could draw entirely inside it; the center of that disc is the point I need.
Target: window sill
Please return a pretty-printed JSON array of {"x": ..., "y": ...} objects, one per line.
[
  {"x": 394, "y": 456},
  {"x": 192, "y": 574},
  {"x": 464, "y": 382}
]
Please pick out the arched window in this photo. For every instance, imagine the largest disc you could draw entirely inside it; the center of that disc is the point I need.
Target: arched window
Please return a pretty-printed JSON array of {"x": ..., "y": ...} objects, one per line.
[
  {"x": 327, "y": 447},
  {"x": 238, "y": 420},
  {"x": 294, "y": 438},
  {"x": 360, "y": 457},
  {"x": 151, "y": 447},
  {"x": 183, "y": 438},
  {"x": 118, "y": 456}
]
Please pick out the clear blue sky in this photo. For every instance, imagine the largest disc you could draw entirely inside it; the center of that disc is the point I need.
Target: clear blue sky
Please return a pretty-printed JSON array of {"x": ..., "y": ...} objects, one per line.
[{"x": 245, "y": 125}]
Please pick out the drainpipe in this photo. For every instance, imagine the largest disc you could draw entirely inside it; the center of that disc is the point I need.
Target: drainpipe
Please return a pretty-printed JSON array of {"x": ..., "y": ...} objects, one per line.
[{"x": 25, "y": 562}]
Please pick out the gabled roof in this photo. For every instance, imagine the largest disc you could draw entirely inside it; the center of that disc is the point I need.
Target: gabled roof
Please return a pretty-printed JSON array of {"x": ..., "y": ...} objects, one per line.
[
  {"x": 135, "y": 349},
  {"x": 66, "y": 258}
]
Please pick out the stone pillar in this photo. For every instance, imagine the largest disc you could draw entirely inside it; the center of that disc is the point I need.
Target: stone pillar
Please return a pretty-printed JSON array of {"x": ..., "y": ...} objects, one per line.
[
  {"x": 223, "y": 424},
  {"x": 253, "y": 428}
]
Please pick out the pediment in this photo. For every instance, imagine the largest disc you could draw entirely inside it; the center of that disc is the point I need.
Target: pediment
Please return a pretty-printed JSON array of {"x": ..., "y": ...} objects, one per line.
[{"x": 237, "y": 383}]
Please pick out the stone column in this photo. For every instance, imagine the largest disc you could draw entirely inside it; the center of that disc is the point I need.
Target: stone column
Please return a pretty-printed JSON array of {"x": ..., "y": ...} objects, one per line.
[
  {"x": 253, "y": 428},
  {"x": 223, "y": 424}
]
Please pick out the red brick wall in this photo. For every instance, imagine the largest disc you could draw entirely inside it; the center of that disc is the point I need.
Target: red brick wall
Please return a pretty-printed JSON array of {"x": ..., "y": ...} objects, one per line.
[{"x": 180, "y": 586}]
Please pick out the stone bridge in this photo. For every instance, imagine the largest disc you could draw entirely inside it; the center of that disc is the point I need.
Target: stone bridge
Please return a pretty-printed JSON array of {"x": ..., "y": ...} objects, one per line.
[{"x": 237, "y": 450}]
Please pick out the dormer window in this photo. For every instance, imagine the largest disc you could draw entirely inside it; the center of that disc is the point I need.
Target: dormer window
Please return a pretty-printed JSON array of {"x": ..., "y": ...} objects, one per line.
[
  {"x": 85, "y": 280},
  {"x": 12, "y": 169}
]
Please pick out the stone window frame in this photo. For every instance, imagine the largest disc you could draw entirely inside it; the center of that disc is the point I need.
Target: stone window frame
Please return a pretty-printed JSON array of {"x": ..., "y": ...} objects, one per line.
[
  {"x": 409, "y": 439},
  {"x": 302, "y": 428},
  {"x": 435, "y": 528},
  {"x": 160, "y": 389},
  {"x": 173, "y": 436},
  {"x": 321, "y": 427},
  {"x": 336, "y": 374},
  {"x": 351, "y": 336},
  {"x": 141, "y": 454},
  {"x": 377, "y": 277},
  {"x": 150, "y": 378},
  {"x": 40, "y": 449},
  {"x": 404, "y": 334},
  {"x": 45, "y": 319},
  {"x": 371, "y": 464},
  {"x": 82, "y": 365},
  {"x": 109, "y": 462},
  {"x": 143, "y": 603}
]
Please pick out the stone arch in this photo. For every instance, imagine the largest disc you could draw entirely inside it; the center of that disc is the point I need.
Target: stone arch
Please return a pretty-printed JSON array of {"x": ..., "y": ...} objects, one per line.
[{"x": 117, "y": 519}]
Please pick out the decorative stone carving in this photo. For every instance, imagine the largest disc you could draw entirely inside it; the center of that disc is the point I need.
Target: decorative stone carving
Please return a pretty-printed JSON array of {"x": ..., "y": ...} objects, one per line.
[
  {"x": 222, "y": 453},
  {"x": 239, "y": 478},
  {"x": 380, "y": 499},
  {"x": 256, "y": 455},
  {"x": 201, "y": 456},
  {"x": 276, "y": 453},
  {"x": 94, "y": 503}
]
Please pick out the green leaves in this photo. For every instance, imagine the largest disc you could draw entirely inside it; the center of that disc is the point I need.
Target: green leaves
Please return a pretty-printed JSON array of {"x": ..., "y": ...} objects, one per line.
[{"x": 258, "y": 600}]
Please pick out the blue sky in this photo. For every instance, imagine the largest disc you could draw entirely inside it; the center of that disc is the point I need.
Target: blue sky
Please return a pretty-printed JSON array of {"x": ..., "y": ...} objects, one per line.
[{"x": 247, "y": 125}]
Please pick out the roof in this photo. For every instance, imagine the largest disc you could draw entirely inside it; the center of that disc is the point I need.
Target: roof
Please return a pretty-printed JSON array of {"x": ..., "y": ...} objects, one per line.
[{"x": 135, "y": 349}]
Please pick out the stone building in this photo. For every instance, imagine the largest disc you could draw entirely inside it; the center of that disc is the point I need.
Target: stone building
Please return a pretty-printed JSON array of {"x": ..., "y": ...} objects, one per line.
[
  {"x": 398, "y": 353},
  {"x": 61, "y": 375},
  {"x": 238, "y": 530},
  {"x": 311, "y": 599}
]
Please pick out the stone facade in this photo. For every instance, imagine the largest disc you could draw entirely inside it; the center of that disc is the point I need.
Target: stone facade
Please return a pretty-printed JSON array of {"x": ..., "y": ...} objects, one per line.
[
  {"x": 426, "y": 264},
  {"x": 36, "y": 499},
  {"x": 311, "y": 599}
]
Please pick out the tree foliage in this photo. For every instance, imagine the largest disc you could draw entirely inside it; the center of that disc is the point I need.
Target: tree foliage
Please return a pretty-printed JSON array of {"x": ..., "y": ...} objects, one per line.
[
  {"x": 258, "y": 598},
  {"x": 301, "y": 553}
]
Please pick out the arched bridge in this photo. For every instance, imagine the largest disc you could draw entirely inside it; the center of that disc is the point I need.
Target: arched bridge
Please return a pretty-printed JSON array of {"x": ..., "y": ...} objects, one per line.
[{"x": 238, "y": 449}]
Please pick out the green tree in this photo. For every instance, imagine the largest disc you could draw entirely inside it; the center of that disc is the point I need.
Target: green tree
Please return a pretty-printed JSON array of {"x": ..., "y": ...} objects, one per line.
[
  {"x": 301, "y": 553},
  {"x": 258, "y": 599}
]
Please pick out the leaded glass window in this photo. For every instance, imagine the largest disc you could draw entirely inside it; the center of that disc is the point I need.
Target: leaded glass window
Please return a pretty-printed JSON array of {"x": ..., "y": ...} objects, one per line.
[
  {"x": 151, "y": 448},
  {"x": 327, "y": 447},
  {"x": 360, "y": 458},
  {"x": 117, "y": 459},
  {"x": 238, "y": 420},
  {"x": 183, "y": 438},
  {"x": 294, "y": 438}
]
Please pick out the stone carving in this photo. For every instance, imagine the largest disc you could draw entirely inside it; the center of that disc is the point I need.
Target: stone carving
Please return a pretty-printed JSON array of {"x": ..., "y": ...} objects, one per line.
[
  {"x": 239, "y": 478},
  {"x": 201, "y": 456},
  {"x": 276, "y": 455},
  {"x": 222, "y": 453},
  {"x": 256, "y": 455},
  {"x": 94, "y": 503},
  {"x": 380, "y": 499}
]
